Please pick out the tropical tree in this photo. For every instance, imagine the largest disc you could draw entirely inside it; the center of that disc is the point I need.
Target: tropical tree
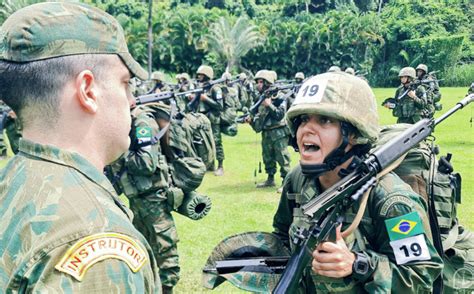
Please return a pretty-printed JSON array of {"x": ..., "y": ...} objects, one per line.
[{"x": 231, "y": 43}]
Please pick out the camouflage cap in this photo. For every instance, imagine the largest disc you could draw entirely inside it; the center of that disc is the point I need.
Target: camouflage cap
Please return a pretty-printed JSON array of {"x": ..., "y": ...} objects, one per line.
[
  {"x": 341, "y": 96},
  {"x": 52, "y": 29},
  {"x": 245, "y": 245}
]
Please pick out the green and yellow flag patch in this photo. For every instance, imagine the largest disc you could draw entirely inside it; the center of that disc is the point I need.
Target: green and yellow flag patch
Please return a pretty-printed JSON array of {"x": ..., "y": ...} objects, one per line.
[
  {"x": 143, "y": 132},
  {"x": 404, "y": 226}
]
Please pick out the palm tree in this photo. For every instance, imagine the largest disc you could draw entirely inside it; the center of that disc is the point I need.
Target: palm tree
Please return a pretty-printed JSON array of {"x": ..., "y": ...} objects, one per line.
[{"x": 232, "y": 43}]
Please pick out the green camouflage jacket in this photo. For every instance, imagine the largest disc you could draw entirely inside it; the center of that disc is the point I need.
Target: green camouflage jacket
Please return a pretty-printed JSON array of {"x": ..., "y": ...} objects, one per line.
[
  {"x": 391, "y": 198},
  {"x": 407, "y": 109},
  {"x": 63, "y": 229},
  {"x": 270, "y": 117},
  {"x": 213, "y": 106}
]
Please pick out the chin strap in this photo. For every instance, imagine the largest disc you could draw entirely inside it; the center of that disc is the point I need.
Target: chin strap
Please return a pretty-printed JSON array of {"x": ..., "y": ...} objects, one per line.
[{"x": 337, "y": 157}]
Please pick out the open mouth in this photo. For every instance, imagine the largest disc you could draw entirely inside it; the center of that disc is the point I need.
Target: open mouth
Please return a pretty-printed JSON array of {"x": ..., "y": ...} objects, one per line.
[{"x": 309, "y": 147}]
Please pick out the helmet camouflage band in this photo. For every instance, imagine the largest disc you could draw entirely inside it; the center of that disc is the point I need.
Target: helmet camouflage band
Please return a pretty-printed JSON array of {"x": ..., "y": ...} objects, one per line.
[
  {"x": 206, "y": 70},
  {"x": 350, "y": 70},
  {"x": 245, "y": 245},
  {"x": 407, "y": 72},
  {"x": 54, "y": 29},
  {"x": 265, "y": 75},
  {"x": 422, "y": 67},
  {"x": 299, "y": 75},
  {"x": 341, "y": 96},
  {"x": 158, "y": 76}
]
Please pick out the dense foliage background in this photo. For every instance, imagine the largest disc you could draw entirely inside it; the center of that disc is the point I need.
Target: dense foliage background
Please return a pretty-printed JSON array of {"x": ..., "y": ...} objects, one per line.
[{"x": 376, "y": 37}]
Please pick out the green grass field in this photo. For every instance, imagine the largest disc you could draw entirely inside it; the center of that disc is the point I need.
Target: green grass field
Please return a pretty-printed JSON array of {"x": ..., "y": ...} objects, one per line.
[{"x": 239, "y": 207}]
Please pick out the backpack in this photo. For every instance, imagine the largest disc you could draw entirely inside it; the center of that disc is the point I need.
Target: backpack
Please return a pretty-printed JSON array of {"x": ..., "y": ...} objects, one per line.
[
  {"x": 198, "y": 129},
  {"x": 229, "y": 113},
  {"x": 436, "y": 182}
]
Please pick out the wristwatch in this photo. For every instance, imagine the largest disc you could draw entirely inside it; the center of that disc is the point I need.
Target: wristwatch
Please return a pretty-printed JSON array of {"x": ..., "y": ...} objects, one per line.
[{"x": 360, "y": 267}]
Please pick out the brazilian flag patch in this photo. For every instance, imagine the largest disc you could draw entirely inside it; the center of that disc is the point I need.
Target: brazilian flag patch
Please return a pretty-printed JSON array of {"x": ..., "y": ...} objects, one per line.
[
  {"x": 404, "y": 226},
  {"x": 143, "y": 132}
]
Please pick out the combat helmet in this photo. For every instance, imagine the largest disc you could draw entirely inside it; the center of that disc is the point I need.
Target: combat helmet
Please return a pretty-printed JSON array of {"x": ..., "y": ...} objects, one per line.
[
  {"x": 299, "y": 75},
  {"x": 265, "y": 75},
  {"x": 422, "y": 67},
  {"x": 350, "y": 71},
  {"x": 158, "y": 76},
  {"x": 334, "y": 68},
  {"x": 242, "y": 76},
  {"x": 185, "y": 76},
  {"x": 346, "y": 98},
  {"x": 206, "y": 70},
  {"x": 245, "y": 245},
  {"x": 407, "y": 72},
  {"x": 226, "y": 75}
]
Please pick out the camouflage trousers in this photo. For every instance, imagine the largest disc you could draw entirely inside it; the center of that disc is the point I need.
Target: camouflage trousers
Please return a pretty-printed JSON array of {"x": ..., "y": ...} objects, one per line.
[
  {"x": 3, "y": 144},
  {"x": 152, "y": 217},
  {"x": 275, "y": 149},
  {"x": 217, "y": 133}
]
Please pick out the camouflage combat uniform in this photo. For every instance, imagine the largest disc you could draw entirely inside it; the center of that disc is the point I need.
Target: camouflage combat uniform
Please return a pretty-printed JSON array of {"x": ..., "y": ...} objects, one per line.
[
  {"x": 3, "y": 118},
  {"x": 275, "y": 135},
  {"x": 390, "y": 198},
  {"x": 143, "y": 176},
  {"x": 433, "y": 95},
  {"x": 407, "y": 109},
  {"x": 52, "y": 201},
  {"x": 13, "y": 131},
  {"x": 212, "y": 108}
]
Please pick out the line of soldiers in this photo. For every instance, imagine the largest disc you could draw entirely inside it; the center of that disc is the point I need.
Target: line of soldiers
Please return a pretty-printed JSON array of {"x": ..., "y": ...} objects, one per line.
[{"x": 417, "y": 97}]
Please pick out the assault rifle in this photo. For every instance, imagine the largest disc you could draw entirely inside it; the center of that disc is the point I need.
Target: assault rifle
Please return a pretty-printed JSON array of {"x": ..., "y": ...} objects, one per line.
[
  {"x": 259, "y": 264},
  {"x": 270, "y": 91},
  {"x": 194, "y": 104},
  {"x": 325, "y": 210}
]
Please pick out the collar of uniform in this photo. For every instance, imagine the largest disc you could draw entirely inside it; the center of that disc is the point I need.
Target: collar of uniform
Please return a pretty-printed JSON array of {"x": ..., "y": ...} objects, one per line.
[{"x": 66, "y": 158}]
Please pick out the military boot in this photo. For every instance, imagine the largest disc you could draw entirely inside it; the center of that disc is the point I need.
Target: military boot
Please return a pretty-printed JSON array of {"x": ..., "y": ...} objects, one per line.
[
  {"x": 220, "y": 169},
  {"x": 270, "y": 182}
]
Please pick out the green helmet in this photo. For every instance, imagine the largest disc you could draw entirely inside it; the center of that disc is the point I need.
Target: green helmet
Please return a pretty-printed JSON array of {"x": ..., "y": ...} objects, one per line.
[
  {"x": 226, "y": 75},
  {"x": 407, "y": 72},
  {"x": 206, "y": 70},
  {"x": 185, "y": 76},
  {"x": 245, "y": 245},
  {"x": 158, "y": 76},
  {"x": 334, "y": 68},
  {"x": 299, "y": 75},
  {"x": 274, "y": 73},
  {"x": 265, "y": 75},
  {"x": 242, "y": 76},
  {"x": 422, "y": 67},
  {"x": 350, "y": 70},
  {"x": 341, "y": 96}
]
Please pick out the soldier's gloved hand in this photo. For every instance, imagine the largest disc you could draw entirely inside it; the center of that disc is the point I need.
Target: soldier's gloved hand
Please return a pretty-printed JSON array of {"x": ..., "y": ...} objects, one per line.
[
  {"x": 333, "y": 260},
  {"x": 412, "y": 94}
]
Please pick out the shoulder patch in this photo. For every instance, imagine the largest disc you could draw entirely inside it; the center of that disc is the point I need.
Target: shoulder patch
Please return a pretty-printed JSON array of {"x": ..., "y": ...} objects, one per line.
[
  {"x": 404, "y": 226},
  {"x": 395, "y": 200},
  {"x": 92, "y": 249}
]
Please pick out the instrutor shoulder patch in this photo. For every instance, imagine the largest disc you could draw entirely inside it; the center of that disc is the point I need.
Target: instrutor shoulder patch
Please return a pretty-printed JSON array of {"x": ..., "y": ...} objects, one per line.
[{"x": 94, "y": 248}]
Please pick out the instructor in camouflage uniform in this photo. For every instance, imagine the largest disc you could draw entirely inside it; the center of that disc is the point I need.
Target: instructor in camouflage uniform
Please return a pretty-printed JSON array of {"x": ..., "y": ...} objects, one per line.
[
  {"x": 65, "y": 72},
  {"x": 410, "y": 98},
  {"x": 334, "y": 122},
  {"x": 270, "y": 120}
]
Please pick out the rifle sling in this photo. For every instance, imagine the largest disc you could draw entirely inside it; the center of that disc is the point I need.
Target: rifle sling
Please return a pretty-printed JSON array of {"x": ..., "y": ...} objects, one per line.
[{"x": 365, "y": 197}]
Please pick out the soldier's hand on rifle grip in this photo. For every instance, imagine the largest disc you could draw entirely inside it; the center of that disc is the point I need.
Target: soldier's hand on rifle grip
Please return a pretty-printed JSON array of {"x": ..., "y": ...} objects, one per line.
[
  {"x": 203, "y": 97},
  {"x": 333, "y": 259},
  {"x": 412, "y": 94},
  {"x": 267, "y": 102}
]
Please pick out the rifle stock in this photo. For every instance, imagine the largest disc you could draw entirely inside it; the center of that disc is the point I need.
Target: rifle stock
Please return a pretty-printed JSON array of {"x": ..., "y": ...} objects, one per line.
[{"x": 324, "y": 210}]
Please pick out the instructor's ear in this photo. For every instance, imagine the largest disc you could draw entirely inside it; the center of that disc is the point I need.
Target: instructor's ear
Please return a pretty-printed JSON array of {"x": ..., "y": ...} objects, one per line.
[{"x": 86, "y": 91}]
